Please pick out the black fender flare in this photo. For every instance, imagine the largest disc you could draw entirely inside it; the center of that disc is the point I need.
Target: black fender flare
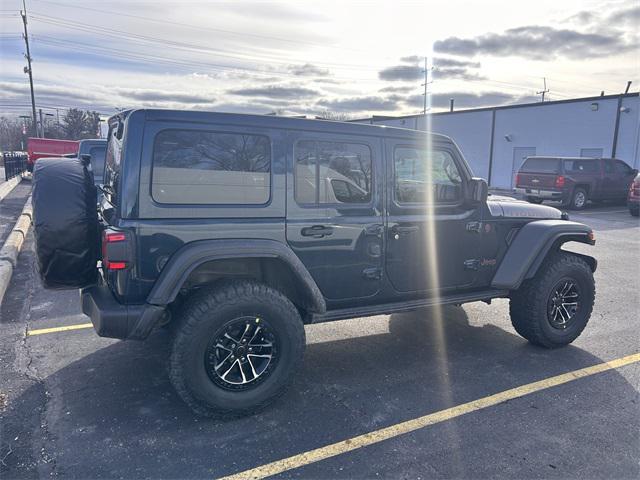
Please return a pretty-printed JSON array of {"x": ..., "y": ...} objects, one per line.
[
  {"x": 531, "y": 246},
  {"x": 193, "y": 254}
]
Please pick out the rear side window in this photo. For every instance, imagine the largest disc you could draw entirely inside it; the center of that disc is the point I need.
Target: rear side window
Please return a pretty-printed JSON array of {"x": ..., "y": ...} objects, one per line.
[
  {"x": 204, "y": 167},
  {"x": 332, "y": 173},
  {"x": 112, "y": 160},
  {"x": 622, "y": 168},
  {"x": 541, "y": 165},
  {"x": 580, "y": 166}
]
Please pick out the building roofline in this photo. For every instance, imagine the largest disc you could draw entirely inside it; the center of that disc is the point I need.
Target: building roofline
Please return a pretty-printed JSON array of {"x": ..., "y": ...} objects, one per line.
[{"x": 506, "y": 107}]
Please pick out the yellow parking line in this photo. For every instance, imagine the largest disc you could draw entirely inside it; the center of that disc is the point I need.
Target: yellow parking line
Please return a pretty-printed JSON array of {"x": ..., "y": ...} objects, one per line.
[
  {"x": 58, "y": 329},
  {"x": 377, "y": 436}
]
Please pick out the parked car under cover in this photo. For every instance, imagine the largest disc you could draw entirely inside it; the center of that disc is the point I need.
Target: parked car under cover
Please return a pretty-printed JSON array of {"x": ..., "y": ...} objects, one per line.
[{"x": 574, "y": 181}]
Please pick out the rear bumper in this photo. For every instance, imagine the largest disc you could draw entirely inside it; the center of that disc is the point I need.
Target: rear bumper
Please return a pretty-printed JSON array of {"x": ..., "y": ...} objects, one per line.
[
  {"x": 112, "y": 319},
  {"x": 537, "y": 193}
]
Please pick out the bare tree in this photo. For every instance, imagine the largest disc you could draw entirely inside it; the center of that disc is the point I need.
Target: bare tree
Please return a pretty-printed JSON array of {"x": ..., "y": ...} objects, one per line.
[
  {"x": 335, "y": 116},
  {"x": 11, "y": 136}
]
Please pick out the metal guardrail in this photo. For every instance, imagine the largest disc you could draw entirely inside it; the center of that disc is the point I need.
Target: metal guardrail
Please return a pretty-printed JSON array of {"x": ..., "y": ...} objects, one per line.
[{"x": 15, "y": 164}]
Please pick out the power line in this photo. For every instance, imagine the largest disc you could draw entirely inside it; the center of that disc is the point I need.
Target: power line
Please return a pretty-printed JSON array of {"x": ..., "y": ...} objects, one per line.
[
  {"x": 206, "y": 29},
  {"x": 119, "y": 34},
  {"x": 153, "y": 59}
]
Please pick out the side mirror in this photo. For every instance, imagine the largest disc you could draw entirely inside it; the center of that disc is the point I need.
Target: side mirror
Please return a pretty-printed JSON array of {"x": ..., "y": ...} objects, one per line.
[
  {"x": 634, "y": 172},
  {"x": 86, "y": 159},
  {"x": 478, "y": 191}
]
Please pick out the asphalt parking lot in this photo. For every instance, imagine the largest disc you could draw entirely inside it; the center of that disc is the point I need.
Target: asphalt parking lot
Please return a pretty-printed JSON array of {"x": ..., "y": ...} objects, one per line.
[{"x": 76, "y": 405}]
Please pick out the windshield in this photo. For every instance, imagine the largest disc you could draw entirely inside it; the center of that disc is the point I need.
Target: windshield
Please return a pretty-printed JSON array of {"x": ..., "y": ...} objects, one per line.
[
  {"x": 540, "y": 165},
  {"x": 97, "y": 161}
]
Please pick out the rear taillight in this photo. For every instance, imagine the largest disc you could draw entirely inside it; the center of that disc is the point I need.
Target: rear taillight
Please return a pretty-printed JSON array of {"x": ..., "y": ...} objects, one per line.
[
  {"x": 114, "y": 250},
  {"x": 517, "y": 179},
  {"x": 559, "y": 181}
]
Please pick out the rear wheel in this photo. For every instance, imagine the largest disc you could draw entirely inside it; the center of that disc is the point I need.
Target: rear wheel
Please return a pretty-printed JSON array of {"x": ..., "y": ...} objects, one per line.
[
  {"x": 535, "y": 200},
  {"x": 635, "y": 210},
  {"x": 235, "y": 349},
  {"x": 578, "y": 199},
  {"x": 552, "y": 309}
]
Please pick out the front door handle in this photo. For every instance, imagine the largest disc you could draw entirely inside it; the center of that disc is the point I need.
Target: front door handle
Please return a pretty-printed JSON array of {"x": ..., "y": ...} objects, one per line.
[{"x": 317, "y": 231}]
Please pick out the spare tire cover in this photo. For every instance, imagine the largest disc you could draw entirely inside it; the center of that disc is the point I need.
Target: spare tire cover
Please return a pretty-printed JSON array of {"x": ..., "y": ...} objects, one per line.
[{"x": 65, "y": 223}]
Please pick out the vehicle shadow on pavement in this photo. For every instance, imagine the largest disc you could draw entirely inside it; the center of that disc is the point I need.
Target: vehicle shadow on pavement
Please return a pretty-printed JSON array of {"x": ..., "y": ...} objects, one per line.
[{"x": 113, "y": 412}]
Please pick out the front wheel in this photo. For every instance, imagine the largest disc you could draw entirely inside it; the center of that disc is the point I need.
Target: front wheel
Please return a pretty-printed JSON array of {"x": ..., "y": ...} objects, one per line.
[
  {"x": 552, "y": 309},
  {"x": 236, "y": 348}
]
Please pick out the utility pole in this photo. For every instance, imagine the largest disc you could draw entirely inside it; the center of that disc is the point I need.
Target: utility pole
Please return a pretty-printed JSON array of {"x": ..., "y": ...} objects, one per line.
[
  {"x": 544, "y": 90},
  {"x": 27, "y": 69},
  {"x": 41, "y": 125},
  {"x": 425, "y": 84}
]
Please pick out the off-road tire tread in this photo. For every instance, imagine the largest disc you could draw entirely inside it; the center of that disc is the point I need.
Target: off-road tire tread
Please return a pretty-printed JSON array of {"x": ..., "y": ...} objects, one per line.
[
  {"x": 528, "y": 304},
  {"x": 203, "y": 302}
]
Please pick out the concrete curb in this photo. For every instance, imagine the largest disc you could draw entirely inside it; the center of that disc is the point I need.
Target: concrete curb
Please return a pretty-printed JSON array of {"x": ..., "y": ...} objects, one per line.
[
  {"x": 12, "y": 246},
  {"x": 8, "y": 186}
]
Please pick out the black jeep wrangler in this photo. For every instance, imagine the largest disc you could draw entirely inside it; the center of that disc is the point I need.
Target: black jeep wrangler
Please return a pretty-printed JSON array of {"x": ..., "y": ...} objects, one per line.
[{"x": 235, "y": 231}]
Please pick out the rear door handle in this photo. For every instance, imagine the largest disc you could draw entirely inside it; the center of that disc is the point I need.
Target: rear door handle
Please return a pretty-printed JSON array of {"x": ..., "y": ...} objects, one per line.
[
  {"x": 317, "y": 231},
  {"x": 404, "y": 230}
]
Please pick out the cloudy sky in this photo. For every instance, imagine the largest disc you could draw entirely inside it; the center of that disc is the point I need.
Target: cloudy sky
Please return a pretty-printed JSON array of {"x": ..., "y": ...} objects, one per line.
[{"x": 303, "y": 57}]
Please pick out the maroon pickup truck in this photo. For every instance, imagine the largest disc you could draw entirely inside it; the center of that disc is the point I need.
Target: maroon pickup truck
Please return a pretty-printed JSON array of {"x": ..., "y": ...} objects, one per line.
[{"x": 574, "y": 181}]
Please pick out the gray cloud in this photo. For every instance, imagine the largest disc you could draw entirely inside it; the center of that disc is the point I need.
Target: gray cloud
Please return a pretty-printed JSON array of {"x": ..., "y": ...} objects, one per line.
[
  {"x": 360, "y": 104},
  {"x": 308, "y": 70},
  {"x": 469, "y": 99},
  {"x": 412, "y": 59},
  {"x": 51, "y": 92},
  {"x": 397, "y": 89},
  {"x": 277, "y": 92},
  {"x": 440, "y": 61},
  {"x": 456, "y": 72},
  {"x": 452, "y": 62},
  {"x": 630, "y": 16},
  {"x": 405, "y": 73},
  {"x": 443, "y": 68},
  {"x": 331, "y": 81},
  {"x": 537, "y": 42},
  {"x": 147, "y": 95}
]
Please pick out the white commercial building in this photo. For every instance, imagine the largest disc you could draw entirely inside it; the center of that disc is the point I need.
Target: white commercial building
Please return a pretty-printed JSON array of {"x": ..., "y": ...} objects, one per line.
[{"x": 495, "y": 140}]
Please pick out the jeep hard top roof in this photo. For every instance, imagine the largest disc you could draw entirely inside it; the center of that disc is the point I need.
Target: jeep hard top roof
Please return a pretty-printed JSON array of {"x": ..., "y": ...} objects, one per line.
[
  {"x": 273, "y": 121},
  {"x": 570, "y": 158}
]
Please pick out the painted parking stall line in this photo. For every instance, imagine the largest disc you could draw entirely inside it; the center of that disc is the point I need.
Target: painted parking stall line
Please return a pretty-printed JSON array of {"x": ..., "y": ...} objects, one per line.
[
  {"x": 42, "y": 331},
  {"x": 376, "y": 436}
]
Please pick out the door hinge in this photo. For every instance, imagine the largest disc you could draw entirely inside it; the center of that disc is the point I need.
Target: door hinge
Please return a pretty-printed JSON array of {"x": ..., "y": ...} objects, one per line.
[
  {"x": 472, "y": 264},
  {"x": 474, "y": 227},
  {"x": 373, "y": 273}
]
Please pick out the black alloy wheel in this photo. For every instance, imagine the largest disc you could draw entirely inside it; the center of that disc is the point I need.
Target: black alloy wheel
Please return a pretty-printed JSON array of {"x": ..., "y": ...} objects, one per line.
[{"x": 242, "y": 353}]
